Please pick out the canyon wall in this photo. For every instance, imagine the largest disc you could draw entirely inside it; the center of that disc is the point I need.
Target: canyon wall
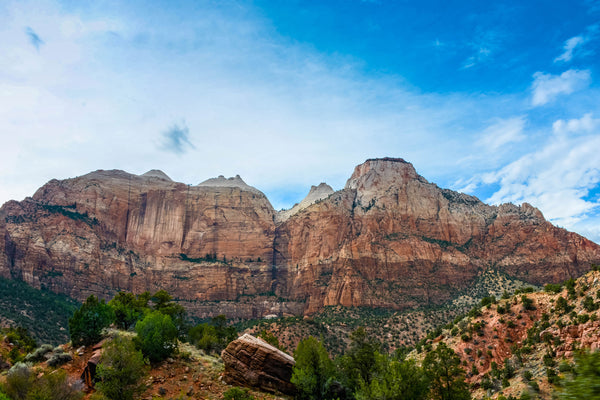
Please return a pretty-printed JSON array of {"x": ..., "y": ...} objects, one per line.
[{"x": 388, "y": 239}]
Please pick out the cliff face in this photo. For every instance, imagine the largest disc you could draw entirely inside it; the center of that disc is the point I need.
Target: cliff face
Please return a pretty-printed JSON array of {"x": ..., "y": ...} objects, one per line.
[{"x": 388, "y": 239}]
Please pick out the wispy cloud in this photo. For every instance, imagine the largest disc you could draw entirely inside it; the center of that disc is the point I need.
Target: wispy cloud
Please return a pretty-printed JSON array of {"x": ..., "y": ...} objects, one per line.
[
  {"x": 558, "y": 177},
  {"x": 482, "y": 47},
  {"x": 502, "y": 132},
  {"x": 546, "y": 87},
  {"x": 34, "y": 38},
  {"x": 570, "y": 46},
  {"x": 176, "y": 139},
  {"x": 575, "y": 46}
]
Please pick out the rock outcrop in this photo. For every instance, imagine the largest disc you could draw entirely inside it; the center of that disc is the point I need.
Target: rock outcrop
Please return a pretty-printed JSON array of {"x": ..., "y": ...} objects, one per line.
[
  {"x": 388, "y": 239},
  {"x": 315, "y": 194},
  {"x": 252, "y": 362}
]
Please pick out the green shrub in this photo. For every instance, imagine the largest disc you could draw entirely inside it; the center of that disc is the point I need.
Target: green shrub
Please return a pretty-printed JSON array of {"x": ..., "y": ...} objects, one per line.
[
  {"x": 23, "y": 384},
  {"x": 56, "y": 386},
  {"x": 129, "y": 308},
  {"x": 527, "y": 303},
  {"x": 86, "y": 324},
  {"x": 214, "y": 336},
  {"x": 237, "y": 393},
  {"x": 313, "y": 369},
  {"x": 39, "y": 354},
  {"x": 156, "y": 336},
  {"x": 19, "y": 381},
  {"x": 59, "y": 358},
  {"x": 553, "y": 288},
  {"x": 121, "y": 369},
  {"x": 447, "y": 378}
]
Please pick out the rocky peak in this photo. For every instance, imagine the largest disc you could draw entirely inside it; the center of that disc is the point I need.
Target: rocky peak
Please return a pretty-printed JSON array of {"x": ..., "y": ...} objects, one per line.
[
  {"x": 233, "y": 182},
  {"x": 315, "y": 194},
  {"x": 380, "y": 173},
  {"x": 156, "y": 173}
]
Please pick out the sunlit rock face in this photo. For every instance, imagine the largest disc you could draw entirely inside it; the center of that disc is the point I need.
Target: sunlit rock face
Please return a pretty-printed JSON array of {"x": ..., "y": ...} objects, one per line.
[{"x": 388, "y": 239}]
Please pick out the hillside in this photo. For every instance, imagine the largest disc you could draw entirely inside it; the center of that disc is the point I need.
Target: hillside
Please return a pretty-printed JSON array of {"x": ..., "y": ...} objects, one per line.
[
  {"x": 43, "y": 313},
  {"x": 525, "y": 342}
]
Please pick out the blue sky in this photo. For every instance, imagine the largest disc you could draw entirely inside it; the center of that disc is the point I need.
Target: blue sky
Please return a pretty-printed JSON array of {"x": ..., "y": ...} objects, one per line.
[{"x": 496, "y": 99}]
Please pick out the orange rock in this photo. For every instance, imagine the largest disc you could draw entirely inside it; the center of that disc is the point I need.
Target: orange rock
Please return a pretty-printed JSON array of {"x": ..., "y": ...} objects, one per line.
[{"x": 389, "y": 239}]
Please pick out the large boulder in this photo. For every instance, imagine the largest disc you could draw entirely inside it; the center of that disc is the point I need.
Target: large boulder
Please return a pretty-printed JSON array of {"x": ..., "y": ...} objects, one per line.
[{"x": 252, "y": 362}]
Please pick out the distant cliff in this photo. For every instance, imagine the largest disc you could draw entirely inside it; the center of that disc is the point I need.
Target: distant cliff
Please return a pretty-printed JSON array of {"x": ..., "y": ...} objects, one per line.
[{"x": 388, "y": 239}]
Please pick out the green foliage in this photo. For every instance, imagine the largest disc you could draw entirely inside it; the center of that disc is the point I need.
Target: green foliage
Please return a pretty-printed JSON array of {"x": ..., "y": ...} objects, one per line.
[
  {"x": 553, "y": 288},
  {"x": 589, "y": 304},
  {"x": 584, "y": 381},
  {"x": 19, "y": 381},
  {"x": 86, "y": 324},
  {"x": 447, "y": 378},
  {"x": 156, "y": 336},
  {"x": 39, "y": 354},
  {"x": 163, "y": 303},
  {"x": 214, "y": 336},
  {"x": 55, "y": 386},
  {"x": 313, "y": 370},
  {"x": 488, "y": 301},
  {"x": 21, "y": 340},
  {"x": 44, "y": 314},
  {"x": 121, "y": 369},
  {"x": 395, "y": 380},
  {"x": 23, "y": 384},
  {"x": 527, "y": 303},
  {"x": 359, "y": 363},
  {"x": 269, "y": 337},
  {"x": 562, "y": 305},
  {"x": 58, "y": 357},
  {"x": 237, "y": 393},
  {"x": 129, "y": 308}
]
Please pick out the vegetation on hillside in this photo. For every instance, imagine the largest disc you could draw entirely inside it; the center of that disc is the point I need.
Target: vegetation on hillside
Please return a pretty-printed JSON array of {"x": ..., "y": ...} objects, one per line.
[{"x": 43, "y": 313}]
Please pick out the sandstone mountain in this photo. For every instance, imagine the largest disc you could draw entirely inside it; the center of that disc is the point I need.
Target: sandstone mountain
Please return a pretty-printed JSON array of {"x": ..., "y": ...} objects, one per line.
[{"x": 388, "y": 239}]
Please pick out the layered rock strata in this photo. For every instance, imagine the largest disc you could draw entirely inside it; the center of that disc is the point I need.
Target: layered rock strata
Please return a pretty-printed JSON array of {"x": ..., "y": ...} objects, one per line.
[
  {"x": 252, "y": 362},
  {"x": 388, "y": 239}
]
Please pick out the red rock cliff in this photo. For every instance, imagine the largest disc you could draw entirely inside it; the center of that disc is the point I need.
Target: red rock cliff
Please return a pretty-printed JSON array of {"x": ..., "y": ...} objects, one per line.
[{"x": 388, "y": 239}]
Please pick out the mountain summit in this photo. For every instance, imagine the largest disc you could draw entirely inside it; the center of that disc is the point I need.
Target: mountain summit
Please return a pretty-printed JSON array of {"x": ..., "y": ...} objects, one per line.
[{"x": 388, "y": 239}]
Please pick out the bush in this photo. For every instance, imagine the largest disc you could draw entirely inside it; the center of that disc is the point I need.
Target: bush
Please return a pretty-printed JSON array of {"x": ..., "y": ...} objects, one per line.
[
  {"x": 39, "y": 354},
  {"x": 121, "y": 369},
  {"x": 313, "y": 369},
  {"x": 56, "y": 386},
  {"x": 157, "y": 336},
  {"x": 442, "y": 367},
  {"x": 527, "y": 303},
  {"x": 214, "y": 336},
  {"x": 19, "y": 380},
  {"x": 396, "y": 380},
  {"x": 59, "y": 358},
  {"x": 86, "y": 324},
  {"x": 129, "y": 308},
  {"x": 22, "y": 384},
  {"x": 237, "y": 393},
  {"x": 553, "y": 288},
  {"x": 583, "y": 381}
]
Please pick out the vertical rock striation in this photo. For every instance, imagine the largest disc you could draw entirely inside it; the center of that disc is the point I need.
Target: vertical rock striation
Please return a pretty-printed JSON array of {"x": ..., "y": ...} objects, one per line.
[{"x": 388, "y": 239}]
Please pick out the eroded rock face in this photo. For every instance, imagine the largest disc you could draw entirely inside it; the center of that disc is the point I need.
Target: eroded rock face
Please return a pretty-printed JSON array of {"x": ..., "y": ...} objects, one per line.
[
  {"x": 389, "y": 239},
  {"x": 252, "y": 362}
]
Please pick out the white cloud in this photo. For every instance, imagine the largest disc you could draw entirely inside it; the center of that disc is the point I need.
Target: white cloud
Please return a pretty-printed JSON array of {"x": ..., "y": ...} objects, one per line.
[
  {"x": 546, "y": 87},
  {"x": 584, "y": 124},
  {"x": 570, "y": 46},
  {"x": 502, "y": 132},
  {"x": 557, "y": 178}
]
